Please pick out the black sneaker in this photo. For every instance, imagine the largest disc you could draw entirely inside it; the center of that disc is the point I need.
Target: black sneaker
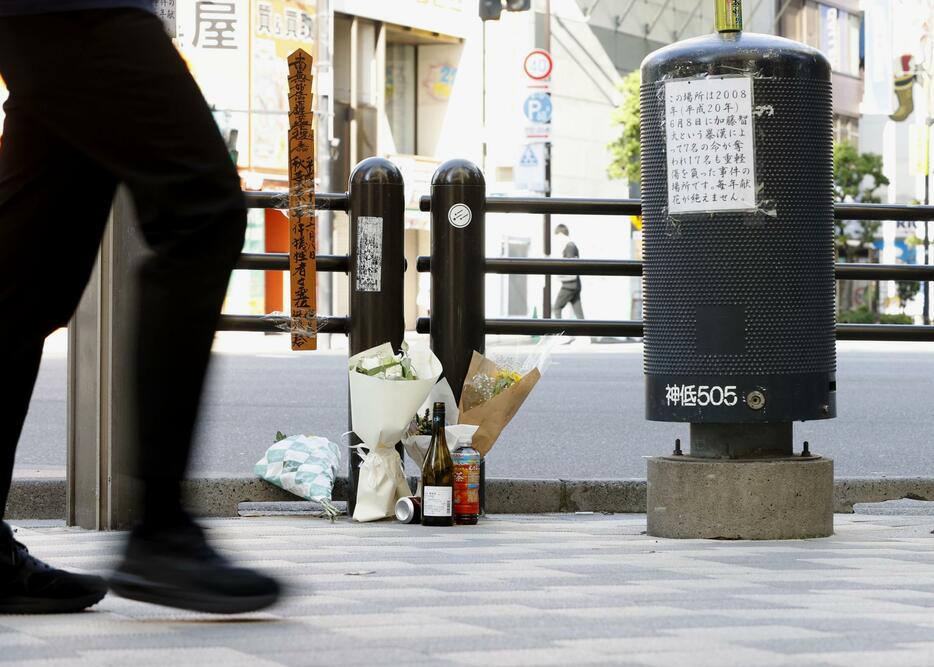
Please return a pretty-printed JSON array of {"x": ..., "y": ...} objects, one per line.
[
  {"x": 177, "y": 568},
  {"x": 29, "y": 586}
]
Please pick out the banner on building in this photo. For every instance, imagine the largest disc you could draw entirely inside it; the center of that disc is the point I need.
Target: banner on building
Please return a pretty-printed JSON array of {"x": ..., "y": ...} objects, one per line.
[
  {"x": 879, "y": 66},
  {"x": 280, "y": 27},
  {"x": 237, "y": 51}
]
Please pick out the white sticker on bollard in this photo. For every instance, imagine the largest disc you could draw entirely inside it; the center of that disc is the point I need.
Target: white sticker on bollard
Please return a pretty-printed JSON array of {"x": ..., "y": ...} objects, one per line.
[
  {"x": 369, "y": 254},
  {"x": 460, "y": 215}
]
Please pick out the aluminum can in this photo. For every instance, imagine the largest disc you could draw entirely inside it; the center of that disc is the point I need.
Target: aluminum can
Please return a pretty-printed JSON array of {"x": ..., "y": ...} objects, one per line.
[{"x": 409, "y": 510}]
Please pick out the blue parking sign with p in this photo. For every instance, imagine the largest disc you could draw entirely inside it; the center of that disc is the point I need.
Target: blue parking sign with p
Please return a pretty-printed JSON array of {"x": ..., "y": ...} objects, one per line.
[{"x": 537, "y": 107}]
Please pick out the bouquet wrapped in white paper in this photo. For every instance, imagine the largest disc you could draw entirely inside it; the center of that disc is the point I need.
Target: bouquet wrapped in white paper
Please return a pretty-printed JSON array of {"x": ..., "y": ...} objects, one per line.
[{"x": 385, "y": 391}]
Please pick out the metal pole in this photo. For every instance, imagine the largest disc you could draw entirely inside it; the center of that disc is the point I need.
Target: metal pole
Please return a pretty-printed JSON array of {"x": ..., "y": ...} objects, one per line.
[
  {"x": 458, "y": 254},
  {"x": 324, "y": 81},
  {"x": 377, "y": 270},
  {"x": 926, "y": 285},
  {"x": 483, "y": 94},
  {"x": 102, "y": 489},
  {"x": 546, "y": 225}
]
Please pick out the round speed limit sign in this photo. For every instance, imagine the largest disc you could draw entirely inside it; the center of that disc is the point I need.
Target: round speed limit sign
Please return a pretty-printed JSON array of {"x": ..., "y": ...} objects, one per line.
[{"x": 538, "y": 65}]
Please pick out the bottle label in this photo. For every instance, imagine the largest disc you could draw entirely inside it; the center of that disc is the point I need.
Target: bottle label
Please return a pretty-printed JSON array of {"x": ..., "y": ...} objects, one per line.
[
  {"x": 467, "y": 486},
  {"x": 438, "y": 501}
]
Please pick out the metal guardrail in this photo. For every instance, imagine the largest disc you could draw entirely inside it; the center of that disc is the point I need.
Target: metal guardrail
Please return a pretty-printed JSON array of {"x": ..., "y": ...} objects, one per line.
[
  {"x": 587, "y": 267},
  {"x": 633, "y": 268},
  {"x": 589, "y": 206},
  {"x": 599, "y": 267},
  {"x": 376, "y": 315},
  {"x": 461, "y": 266},
  {"x": 324, "y": 201},
  {"x": 273, "y": 324},
  {"x": 516, "y": 326},
  {"x": 279, "y": 261}
]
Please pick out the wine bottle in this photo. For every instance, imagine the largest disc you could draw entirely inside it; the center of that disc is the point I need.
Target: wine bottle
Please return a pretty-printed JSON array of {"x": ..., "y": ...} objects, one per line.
[
  {"x": 438, "y": 476},
  {"x": 729, "y": 15}
]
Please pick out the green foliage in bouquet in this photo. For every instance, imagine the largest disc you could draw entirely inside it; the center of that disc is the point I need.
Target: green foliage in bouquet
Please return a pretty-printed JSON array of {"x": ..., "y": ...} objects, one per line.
[
  {"x": 421, "y": 425},
  {"x": 388, "y": 366}
]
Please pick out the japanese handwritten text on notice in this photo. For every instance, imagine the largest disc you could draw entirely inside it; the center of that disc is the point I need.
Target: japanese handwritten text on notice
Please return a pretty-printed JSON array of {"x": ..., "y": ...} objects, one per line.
[
  {"x": 709, "y": 139},
  {"x": 302, "y": 220}
]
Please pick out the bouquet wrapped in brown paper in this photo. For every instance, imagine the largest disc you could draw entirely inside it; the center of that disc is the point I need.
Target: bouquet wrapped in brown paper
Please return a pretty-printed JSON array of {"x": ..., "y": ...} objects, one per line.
[{"x": 494, "y": 391}]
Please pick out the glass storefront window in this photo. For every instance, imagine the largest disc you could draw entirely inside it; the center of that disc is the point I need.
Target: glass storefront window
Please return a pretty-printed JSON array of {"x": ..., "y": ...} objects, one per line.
[
  {"x": 839, "y": 38},
  {"x": 400, "y": 95}
]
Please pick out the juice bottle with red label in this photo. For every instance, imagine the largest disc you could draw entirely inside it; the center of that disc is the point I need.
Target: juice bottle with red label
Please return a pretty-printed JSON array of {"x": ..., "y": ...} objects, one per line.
[{"x": 466, "y": 483}]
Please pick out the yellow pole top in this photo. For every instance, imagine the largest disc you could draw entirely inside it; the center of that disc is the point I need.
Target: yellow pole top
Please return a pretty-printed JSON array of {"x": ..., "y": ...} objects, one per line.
[{"x": 729, "y": 15}]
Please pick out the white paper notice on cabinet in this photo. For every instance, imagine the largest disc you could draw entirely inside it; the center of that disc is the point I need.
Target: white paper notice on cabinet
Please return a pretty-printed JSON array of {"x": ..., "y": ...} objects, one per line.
[{"x": 709, "y": 139}]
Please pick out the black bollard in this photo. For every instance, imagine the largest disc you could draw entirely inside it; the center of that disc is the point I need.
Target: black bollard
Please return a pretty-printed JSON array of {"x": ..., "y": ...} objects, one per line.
[
  {"x": 377, "y": 271},
  {"x": 458, "y": 272}
]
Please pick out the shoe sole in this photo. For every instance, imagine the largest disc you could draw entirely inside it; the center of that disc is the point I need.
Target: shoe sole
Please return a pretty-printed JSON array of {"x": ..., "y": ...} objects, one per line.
[
  {"x": 30, "y": 605},
  {"x": 141, "y": 589}
]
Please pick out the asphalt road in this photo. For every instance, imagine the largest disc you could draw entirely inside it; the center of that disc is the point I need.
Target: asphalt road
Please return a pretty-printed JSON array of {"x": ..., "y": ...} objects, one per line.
[{"x": 583, "y": 420}]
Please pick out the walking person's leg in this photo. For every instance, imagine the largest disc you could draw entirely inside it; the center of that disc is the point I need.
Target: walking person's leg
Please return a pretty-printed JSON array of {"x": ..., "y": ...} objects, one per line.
[
  {"x": 562, "y": 300},
  {"x": 53, "y": 207},
  {"x": 130, "y": 103},
  {"x": 576, "y": 303},
  {"x": 579, "y": 308}
]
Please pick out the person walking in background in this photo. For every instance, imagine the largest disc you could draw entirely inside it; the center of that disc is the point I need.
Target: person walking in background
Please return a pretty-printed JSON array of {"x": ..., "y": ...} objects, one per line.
[
  {"x": 99, "y": 96},
  {"x": 570, "y": 292}
]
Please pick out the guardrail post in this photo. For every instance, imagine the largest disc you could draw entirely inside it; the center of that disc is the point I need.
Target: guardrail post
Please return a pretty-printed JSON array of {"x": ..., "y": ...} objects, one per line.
[
  {"x": 377, "y": 268},
  {"x": 458, "y": 276},
  {"x": 102, "y": 490}
]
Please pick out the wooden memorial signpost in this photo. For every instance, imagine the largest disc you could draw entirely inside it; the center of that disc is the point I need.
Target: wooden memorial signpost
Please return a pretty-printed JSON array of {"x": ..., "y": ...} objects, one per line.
[{"x": 302, "y": 221}]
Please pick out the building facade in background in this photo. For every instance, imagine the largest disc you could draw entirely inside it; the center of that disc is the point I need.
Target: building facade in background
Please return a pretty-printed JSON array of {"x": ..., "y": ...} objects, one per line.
[
  {"x": 836, "y": 28},
  {"x": 423, "y": 81},
  {"x": 899, "y": 50}
]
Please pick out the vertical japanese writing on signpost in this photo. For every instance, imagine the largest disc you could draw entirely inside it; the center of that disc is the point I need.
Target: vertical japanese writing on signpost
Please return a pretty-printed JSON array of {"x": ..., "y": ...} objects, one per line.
[
  {"x": 710, "y": 145},
  {"x": 302, "y": 222}
]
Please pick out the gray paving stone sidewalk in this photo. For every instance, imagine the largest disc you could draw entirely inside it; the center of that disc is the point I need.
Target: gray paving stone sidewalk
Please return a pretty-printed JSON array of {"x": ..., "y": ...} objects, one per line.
[{"x": 518, "y": 590}]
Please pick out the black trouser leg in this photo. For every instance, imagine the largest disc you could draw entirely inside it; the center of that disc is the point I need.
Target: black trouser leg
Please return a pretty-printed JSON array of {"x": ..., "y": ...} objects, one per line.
[
  {"x": 126, "y": 100},
  {"x": 53, "y": 206},
  {"x": 22, "y": 368},
  {"x": 559, "y": 304},
  {"x": 576, "y": 305},
  {"x": 565, "y": 296}
]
